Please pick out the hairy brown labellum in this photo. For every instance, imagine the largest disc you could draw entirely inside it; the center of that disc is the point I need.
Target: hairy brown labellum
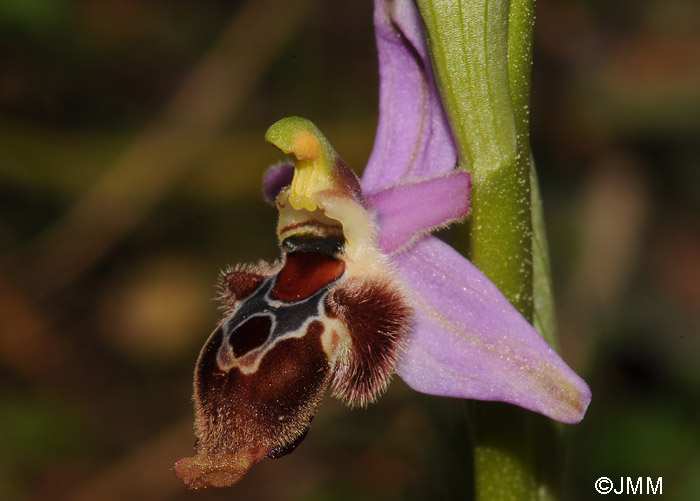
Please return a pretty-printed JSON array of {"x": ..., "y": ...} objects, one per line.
[
  {"x": 331, "y": 315},
  {"x": 263, "y": 371}
]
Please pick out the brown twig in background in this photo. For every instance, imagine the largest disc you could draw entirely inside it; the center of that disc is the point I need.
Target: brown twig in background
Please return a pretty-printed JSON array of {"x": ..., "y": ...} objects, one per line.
[
  {"x": 162, "y": 154},
  {"x": 28, "y": 347},
  {"x": 615, "y": 205}
]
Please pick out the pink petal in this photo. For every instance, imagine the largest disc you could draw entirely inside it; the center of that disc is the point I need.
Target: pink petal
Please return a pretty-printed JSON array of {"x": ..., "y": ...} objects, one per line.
[
  {"x": 469, "y": 342},
  {"x": 276, "y": 179},
  {"x": 406, "y": 212},
  {"x": 413, "y": 139}
]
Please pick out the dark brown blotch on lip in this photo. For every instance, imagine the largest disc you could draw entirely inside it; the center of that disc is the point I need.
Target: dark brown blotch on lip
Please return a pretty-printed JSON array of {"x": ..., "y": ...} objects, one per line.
[
  {"x": 241, "y": 419},
  {"x": 250, "y": 335}
]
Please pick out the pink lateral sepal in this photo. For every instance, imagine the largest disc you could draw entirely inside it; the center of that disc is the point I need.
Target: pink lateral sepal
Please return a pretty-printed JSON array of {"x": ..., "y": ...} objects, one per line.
[{"x": 469, "y": 342}]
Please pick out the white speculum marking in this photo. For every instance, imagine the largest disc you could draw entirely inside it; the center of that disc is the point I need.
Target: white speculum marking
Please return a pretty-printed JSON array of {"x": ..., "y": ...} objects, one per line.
[{"x": 288, "y": 320}]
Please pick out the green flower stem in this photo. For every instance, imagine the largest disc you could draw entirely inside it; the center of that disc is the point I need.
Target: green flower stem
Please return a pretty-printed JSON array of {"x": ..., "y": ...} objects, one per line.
[
  {"x": 468, "y": 42},
  {"x": 544, "y": 319},
  {"x": 482, "y": 55}
]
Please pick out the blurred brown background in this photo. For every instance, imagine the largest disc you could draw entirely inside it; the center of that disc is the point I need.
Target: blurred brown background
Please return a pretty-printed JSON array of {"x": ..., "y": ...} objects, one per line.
[{"x": 131, "y": 158}]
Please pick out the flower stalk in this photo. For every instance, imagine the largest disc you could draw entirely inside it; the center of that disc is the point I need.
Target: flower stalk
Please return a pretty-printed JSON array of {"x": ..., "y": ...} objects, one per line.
[{"x": 482, "y": 56}]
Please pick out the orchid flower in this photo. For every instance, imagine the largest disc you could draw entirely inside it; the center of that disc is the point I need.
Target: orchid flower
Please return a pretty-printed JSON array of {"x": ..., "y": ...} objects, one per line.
[{"x": 363, "y": 290}]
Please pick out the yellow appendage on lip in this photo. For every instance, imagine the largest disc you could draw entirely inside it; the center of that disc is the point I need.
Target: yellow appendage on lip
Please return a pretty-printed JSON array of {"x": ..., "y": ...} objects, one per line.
[{"x": 313, "y": 159}]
